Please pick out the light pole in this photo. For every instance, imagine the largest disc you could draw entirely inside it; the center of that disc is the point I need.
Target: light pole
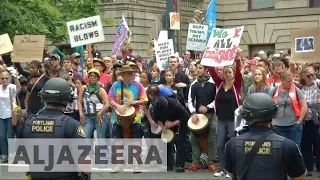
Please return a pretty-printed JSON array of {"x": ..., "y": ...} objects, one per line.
[
  {"x": 170, "y": 8},
  {"x": 179, "y": 48}
]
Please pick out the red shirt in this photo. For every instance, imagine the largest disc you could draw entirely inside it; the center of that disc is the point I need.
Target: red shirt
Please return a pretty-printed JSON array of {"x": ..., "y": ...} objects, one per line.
[
  {"x": 274, "y": 81},
  {"x": 104, "y": 79}
]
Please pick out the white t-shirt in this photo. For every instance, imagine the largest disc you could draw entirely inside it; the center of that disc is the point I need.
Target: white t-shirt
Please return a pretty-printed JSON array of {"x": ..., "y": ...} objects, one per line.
[{"x": 5, "y": 108}]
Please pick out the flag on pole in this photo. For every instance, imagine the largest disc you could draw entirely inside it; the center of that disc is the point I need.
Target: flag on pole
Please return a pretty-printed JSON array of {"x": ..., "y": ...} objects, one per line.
[
  {"x": 122, "y": 34},
  {"x": 211, "y": 17}
]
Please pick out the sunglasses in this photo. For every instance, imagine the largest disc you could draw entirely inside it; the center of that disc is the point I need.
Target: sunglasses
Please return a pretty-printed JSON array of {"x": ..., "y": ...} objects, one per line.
[
  {"x": 130, "y": 57},
  {"x": 309, "y": 75},
  {"x": 92, "y": 76}
]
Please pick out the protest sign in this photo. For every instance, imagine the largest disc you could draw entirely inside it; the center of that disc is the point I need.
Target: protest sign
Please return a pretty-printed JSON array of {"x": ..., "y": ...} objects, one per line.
[
  {"x": 174, "y": 21},
  {"x": 222, "y": 47},
  {"x": 5, "y": 44},
  {"x": 27, "y": 48},
  {"x": 164, "y": 50},
  {"x": 197, "y": 37},
  {"x": 304, "y": 45},
  {"x": 163, "y": 36},
  {"x": 85, "y": 31}
]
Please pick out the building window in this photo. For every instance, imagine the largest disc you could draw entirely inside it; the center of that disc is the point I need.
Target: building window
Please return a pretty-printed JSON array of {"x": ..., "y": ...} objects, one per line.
[
  {"x": 314, "y": 3},
  {"x": 261, "y": 5}
]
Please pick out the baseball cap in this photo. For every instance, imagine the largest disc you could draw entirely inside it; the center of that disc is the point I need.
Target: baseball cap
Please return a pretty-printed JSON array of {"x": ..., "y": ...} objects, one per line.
[
  {"x": 56, "y": 56},
  {"x": 75, "y": 55},
  {"x": 197, "y": 11},
  {"x": 252, "y": 62}
]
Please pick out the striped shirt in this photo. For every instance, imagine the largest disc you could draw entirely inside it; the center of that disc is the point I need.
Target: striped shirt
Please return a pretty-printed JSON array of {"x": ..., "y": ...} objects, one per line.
[
  {"x": 91, "y": 103},
  {"x": 312, "y": 94}
]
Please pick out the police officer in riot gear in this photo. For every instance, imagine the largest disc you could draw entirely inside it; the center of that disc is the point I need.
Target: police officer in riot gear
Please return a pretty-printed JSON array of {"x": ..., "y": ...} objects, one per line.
[
  {"x": 260, "y": 153},
  {"x": 56, "y": 94}
]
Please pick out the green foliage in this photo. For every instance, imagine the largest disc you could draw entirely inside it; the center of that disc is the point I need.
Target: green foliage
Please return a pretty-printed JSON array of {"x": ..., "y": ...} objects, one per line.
[{"x": 45, "y": 17}]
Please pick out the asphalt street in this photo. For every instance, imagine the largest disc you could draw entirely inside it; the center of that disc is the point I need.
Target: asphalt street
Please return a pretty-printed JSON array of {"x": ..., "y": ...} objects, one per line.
[{"x": 4, "y": 174}]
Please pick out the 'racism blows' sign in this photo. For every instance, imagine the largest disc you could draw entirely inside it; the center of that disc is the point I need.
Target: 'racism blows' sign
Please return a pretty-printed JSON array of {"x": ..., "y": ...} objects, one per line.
[
  {"x": 222, "y": 47},
  {"x": 85, "y": 31}
]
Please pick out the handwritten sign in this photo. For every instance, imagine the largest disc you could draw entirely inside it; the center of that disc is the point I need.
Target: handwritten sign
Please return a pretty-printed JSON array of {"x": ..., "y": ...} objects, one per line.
[
  {"x": 197, "y": 37},
  {"x": 27, "y": 48},
  {"x": 174, "y": 21},
  {"x": 5, "y": 44},
  {"x": 163, "y": 35},
  {"x": 222, "y": 47},
  {"x": 85, "y": 31},
  {"x": 164, "y": 50}
]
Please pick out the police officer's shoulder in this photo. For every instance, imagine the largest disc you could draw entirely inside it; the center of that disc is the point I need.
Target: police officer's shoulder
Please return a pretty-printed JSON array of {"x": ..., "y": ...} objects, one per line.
[
  {"x": 74, "y": 128},
  {"x": 291, "y": 146}
]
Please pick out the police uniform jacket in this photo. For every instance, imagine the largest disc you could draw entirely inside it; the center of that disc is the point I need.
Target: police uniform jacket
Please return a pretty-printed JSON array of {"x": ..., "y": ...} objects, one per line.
[
  {"x": 276, "y": 158},
  {"x": 51, "y": 123}
]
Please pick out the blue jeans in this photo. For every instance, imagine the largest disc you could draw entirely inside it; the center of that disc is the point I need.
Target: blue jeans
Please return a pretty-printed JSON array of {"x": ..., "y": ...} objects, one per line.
[
  {"x": 293, "y": 132},
  {"x": 310, "y": 144},
  {"x": 92, "y": 124},
  {"x": 6, "y": 131},
  {"x": 187, "y": 145}
]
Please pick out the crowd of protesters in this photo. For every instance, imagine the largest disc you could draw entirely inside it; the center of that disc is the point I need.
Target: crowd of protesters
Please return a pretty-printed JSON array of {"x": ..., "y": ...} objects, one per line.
[{"x": 214, "y": 91}]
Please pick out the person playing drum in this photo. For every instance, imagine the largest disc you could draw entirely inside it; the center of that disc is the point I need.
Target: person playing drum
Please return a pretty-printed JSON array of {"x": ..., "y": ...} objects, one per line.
[
  {"x": 201, "y": 101},
  {"x": 123, "y": 95},
  {"x": 170, "y": 114}
]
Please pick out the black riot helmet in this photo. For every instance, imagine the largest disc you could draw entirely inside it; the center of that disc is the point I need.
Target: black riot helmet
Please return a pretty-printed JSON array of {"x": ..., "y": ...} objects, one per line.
[
  {"x": 56, "y": 91},
  {"x": 258, "y": 107}
]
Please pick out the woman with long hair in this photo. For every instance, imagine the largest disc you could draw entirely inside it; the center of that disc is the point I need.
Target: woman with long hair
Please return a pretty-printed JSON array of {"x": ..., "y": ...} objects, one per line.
[
  {"x": 35, "y": 83},
  {"x": 310, "y": 141},
  {"x": 8, "y": 102},
  {"x": 260, "y": 82},
  {"x": 226, "y": 102},
  {"x": 292, "y": 108},
  {"x": 170, "y": 83}
]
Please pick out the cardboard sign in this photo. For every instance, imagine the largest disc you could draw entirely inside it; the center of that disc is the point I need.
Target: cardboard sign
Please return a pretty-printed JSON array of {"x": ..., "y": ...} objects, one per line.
[
  {"x": 222, "y": 47},
  {"x": 305, "y": 45},
  {"x": 85, "y": 31},
  {"x": 174, "y": 21},
  {"x": 163, "y": 36},
  {"x": 27, "y": 48},
  {"x": 197, "y": 37},
  {"x": 164, "y": 50},
  {"x": 5, "y": 44}
]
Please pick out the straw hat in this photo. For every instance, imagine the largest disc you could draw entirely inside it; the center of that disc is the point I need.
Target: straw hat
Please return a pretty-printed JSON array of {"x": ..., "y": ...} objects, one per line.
[
  {"x": 102, "y": 64},
  {"x": 134, "y": 66},
  {"x": 126, "y": 68}
]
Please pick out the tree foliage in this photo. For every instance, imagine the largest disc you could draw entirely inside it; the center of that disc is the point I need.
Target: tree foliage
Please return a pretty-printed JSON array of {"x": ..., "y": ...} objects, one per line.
[{"x": 45, "y": 17}]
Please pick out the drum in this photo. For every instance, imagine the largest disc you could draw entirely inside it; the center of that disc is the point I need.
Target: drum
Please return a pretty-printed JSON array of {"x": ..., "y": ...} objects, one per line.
[
  {"x": 126, "y": 121},
  {"x": 201, "y": 131},
  {"x": 157, "y": 131},
  {"x": 168, "y": 137}
]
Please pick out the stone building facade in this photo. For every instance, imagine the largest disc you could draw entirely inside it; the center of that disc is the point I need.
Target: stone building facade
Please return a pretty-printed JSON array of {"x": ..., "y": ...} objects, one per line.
[{"x": 267, "y": 22}]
